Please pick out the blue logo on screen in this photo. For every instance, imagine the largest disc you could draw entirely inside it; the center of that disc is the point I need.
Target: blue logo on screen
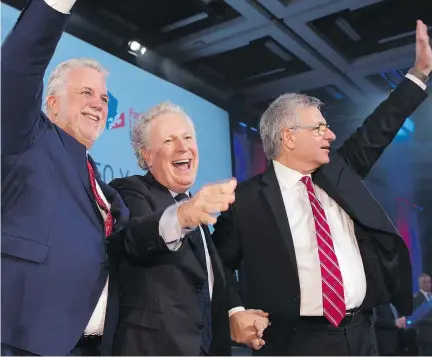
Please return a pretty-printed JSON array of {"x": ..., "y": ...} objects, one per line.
[{"x": 114, "y": 120}]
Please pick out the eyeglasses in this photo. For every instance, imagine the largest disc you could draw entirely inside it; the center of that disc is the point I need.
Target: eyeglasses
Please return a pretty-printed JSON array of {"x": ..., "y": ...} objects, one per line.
[{"x": 320, "y": 128}]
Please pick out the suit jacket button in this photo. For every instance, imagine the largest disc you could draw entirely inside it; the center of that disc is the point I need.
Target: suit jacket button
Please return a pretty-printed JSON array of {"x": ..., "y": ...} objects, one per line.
[
  {"x": 201, "y": 326},
  {"x": 296, "y": 298},
  {"x": 104, "y": 265},
  {"x": 199, "y": 287},
  {"x": 293, "y": 329}
]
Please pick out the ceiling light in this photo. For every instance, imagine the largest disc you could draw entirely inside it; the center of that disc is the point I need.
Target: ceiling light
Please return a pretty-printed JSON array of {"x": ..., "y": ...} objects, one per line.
[
  {"x": 135, "y": 48},
  {"x": 134, "y": 45}
]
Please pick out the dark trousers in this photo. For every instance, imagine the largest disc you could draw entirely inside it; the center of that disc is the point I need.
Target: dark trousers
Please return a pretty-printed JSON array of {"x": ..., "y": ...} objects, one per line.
[
  {"x": 85, "y": 347},
  {"x": 425, "y": 349},
  {"x": 314, "y": 336}
]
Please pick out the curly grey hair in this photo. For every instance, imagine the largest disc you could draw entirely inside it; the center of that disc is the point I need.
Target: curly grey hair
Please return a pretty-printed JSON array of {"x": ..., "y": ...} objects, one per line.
[
  {"x": 140, "y": 129},
  {"x": 281, "y": 114},
  {"x": 57, "y": 78}
]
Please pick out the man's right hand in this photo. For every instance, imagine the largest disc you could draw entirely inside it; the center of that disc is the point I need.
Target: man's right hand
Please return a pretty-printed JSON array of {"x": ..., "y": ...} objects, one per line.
[
  {"x": 247, "y": 327},
  {"x": 400, "y": 322},
  {"x": 210, "y": 200}
]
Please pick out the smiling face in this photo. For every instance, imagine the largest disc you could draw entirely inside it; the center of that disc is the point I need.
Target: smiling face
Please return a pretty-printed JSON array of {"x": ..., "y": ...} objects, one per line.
[
  {"x": 81, "y": 106},
  {"x": 172, "y": 156},
  {"x": 304, "y": 149}
]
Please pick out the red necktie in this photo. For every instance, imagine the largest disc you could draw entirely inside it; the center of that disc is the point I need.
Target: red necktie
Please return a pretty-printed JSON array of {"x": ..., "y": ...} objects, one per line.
[
  {"x": 100, "y": 202},
  {"x": 334, "y": 307}
]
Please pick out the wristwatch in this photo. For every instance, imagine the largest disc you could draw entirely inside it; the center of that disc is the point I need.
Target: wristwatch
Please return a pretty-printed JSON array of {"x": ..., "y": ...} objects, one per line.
[{"x": 414, "y": 72}]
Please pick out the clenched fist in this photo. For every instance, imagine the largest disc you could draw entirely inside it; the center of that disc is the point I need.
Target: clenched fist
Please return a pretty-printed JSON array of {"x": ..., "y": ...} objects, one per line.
[{"x": 210, "y": 200}]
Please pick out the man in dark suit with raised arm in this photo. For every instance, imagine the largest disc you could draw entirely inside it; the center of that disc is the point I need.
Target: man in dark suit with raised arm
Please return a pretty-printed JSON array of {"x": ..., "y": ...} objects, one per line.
[
  {"x": 60, "y": 223},
  {"x": 318, "y": 251}
]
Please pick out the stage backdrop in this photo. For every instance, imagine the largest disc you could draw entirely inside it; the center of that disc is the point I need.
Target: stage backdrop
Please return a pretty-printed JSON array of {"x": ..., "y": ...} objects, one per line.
[{"x": 131, "y": 91}]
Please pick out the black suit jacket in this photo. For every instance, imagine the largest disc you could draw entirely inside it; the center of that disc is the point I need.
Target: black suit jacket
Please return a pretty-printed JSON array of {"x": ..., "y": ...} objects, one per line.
[
  {"x": 424, "y": 324},
  {"x": 255, "y": 234},
  {"x": 159, "y": 311}
]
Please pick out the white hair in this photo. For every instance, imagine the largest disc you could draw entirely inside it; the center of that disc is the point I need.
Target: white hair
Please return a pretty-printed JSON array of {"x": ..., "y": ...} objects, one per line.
[
  {"x": 57, "y": 78},
  {"x": 281, "y": 114},
  {"x": 140, "y": 129}
]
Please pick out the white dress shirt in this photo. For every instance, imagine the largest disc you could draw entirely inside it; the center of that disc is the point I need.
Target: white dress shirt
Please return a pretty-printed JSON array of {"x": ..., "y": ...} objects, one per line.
[
  {"x": 301, "y": 222},
  {"x": 96, "y": 324},
  {"x": 173, "y": 235},
  {"x": 63, "y": 6}
]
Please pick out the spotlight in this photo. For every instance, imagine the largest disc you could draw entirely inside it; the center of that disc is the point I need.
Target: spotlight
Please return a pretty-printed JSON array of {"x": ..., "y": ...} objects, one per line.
[
  {"x": 134, "y": 45},
  {"x": 135, "y": 48}
]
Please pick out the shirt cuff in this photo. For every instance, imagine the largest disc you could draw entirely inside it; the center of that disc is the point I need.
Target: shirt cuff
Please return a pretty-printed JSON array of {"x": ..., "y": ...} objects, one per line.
[
  {"x": 235, "y": 309},
  {"x": 416, "y": 81},
  {"x": 63, "y": 6},
  {"x": 169, "y": 228}
]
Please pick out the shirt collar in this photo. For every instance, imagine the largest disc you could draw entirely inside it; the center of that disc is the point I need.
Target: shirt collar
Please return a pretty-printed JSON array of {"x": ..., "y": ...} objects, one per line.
[
  {"x": 175, "y": 193},
  {"x": 425, "y": 293},
  {"x": 286, "y": 177}
]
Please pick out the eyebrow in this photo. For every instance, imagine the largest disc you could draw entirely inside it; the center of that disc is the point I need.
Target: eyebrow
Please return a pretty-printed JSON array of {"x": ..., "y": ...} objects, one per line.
[{"x": 91, "y": 90}]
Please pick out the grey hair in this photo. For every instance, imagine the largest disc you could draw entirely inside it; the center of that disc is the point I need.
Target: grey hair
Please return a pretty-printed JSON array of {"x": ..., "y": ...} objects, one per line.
[
  {"x": 140, "y": 129},
  {"x": 57, "y": 78},
  {"x": 281, "y": 114}
]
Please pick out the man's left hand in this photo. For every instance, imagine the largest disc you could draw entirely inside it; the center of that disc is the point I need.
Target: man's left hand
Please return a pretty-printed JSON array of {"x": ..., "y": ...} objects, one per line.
[{"x": 423, "y": 62}]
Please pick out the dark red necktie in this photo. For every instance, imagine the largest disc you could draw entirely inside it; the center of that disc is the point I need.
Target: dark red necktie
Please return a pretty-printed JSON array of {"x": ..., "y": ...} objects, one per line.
[
  {"x": 334, "y": 307},
  {"x": 109, "y": 218}
]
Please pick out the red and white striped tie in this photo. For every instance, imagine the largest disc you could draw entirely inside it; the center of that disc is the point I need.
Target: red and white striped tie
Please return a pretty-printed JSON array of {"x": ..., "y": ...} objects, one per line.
[
  {"x": 108, "y": 221},
  {"x": 334, "y": 307}
]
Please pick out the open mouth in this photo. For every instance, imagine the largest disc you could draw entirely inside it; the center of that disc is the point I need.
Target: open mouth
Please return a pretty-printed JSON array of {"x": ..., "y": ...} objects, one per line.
[
  {"x": 93, "y": 117},
  {"x": 184, "y": 164},
  {"x": 325, "y": 148}
]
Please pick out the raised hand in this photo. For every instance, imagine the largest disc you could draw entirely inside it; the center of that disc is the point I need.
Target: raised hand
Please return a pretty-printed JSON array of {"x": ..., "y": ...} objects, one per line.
[
  {"x": 423, "y": 62},
  {"x": 210, "y": 200}
]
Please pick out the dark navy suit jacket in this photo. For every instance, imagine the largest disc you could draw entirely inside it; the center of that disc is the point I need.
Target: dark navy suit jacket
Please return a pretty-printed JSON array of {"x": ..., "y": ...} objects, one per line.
[{"x": 54, "y": 259}]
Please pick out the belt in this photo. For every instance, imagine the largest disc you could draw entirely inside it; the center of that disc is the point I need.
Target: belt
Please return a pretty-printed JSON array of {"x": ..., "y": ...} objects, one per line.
[
  {"x": 84, "y": 340},
  {"x": 349, "y": 317}
]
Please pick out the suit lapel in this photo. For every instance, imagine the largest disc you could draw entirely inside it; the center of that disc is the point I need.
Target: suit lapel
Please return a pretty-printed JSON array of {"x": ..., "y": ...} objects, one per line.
[
  {"x": 118, "y": 208},
  {"x": 272, "y": 194},
  {"x": 76, "y": 152},
  {"x": 161, "y": 194},
  {"x": 351, "y": 194}
]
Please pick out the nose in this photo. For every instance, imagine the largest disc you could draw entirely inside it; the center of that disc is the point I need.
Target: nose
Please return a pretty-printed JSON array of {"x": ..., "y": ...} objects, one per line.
[
  {"x": 182, "y": 145},
  {"x": 96, "y": 103},
  {"x": 329, "y": 135}
]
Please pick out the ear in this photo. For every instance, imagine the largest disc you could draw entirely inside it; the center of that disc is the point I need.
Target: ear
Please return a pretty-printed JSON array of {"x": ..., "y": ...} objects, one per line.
[
  {"x": 53, "y": 104},
  {"x": 148, "y": 157},
  {"x": 288, "y": 138}
]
